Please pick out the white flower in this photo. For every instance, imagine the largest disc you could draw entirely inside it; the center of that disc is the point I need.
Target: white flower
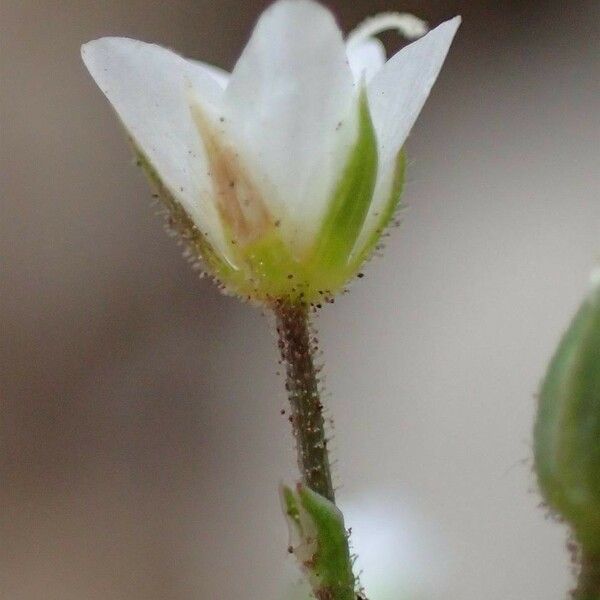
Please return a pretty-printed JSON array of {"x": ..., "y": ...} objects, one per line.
[{"x": 281, "y": 175}]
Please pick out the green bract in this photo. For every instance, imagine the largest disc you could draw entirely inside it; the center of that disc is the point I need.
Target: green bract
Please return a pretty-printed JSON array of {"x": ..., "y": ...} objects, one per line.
[
  {"x": 567, "y": 430},
  {"x": 319, "y": 540}
]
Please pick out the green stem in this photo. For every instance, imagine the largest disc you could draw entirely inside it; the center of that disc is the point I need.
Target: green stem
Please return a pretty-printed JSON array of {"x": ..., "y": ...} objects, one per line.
[
  {"x": 588, "y": 584},
  {"x": 297, "y": 348}
]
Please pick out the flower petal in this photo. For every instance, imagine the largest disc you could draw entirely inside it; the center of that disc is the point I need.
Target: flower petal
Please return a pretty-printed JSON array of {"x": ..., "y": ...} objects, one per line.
[
  {"x": 288, "y": 96},
  {"x": 396, "y": 96},
  {"x": 366, "y": 58},
  {"x": 149, "y": 88},
  {"x": 221, "y": 76}
]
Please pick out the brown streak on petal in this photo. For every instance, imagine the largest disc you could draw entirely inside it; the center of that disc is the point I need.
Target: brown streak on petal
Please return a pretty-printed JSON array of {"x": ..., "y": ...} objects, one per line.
[{"x": 239, "y": 202}]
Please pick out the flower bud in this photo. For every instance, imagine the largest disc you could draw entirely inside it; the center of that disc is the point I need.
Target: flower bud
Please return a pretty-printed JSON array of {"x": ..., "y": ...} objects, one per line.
[{"x": 567, "y": 430}]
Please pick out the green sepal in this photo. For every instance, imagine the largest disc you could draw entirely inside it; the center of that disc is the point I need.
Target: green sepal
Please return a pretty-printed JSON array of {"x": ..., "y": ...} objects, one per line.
[
  {"x": 319, "y": 540},
  {"x": 181, "y": 222},
  {"x": 274, "y": 273},
  {"x": 567, "y": 428},
  {"x": 351, "y": 199},
  {"x": 390, "y": 208}
]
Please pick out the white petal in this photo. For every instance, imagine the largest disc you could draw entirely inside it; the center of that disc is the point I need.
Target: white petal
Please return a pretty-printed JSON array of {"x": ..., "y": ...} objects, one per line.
[
  {"x": 148, "y": 87},
  {"x": 288, "y": 96},
  {"x": 221, "y": 76},
  {"x": 366, "y": 58},
  {"x": 399, "y": 91},
  {"x": 396, "y": 96}
]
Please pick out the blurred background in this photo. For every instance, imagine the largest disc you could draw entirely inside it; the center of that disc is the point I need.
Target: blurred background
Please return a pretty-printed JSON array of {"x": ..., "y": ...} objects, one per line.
[{"x": 141, "y": 443}]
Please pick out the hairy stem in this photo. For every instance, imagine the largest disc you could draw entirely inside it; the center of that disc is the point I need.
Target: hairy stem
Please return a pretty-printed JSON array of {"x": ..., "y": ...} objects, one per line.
[
  {"x": 588, "y": 585},
  {"x": 297, "y": 351}
]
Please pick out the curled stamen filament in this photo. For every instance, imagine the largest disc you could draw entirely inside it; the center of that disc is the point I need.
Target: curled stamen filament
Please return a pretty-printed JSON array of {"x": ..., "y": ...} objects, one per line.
[{"x": 405, "y": 24}]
